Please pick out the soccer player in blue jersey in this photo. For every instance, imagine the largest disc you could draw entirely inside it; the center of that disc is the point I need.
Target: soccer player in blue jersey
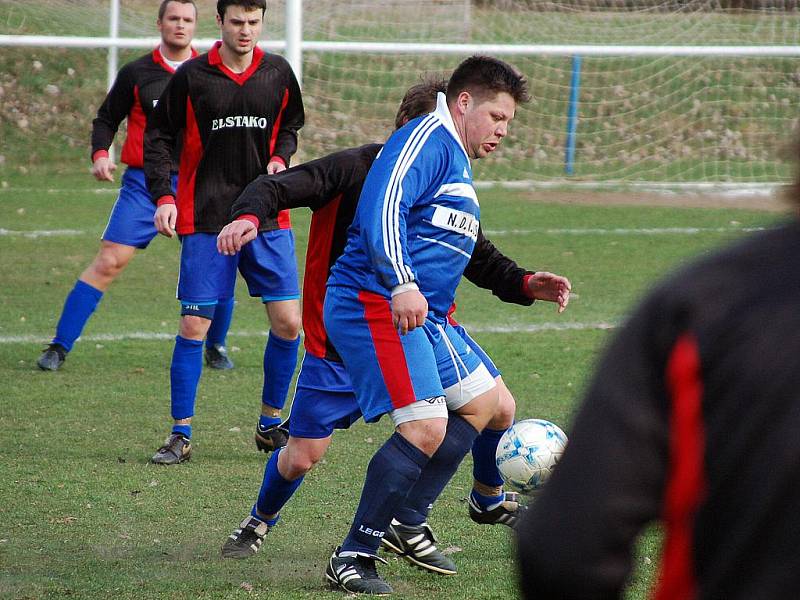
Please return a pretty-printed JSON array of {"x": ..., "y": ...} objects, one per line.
[
  {"x": 130, "y": 226},
  {"x": 324, "y": 398},
  {"x": 386, "y": 311},
  {"x": 237, "y": 111}
]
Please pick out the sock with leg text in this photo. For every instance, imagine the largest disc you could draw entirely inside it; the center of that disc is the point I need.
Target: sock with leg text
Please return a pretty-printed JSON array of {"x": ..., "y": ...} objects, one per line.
[
  {"x": 280, "y": 359},
  {"x": 275, "y": 490},
  {"x": 218, "y": 331},
  {"x": 79, "y": 305},
  {"x": 391, "y": 473},
  {"x": 438, "y": 472},
  {"x": 187, "y": 364}
]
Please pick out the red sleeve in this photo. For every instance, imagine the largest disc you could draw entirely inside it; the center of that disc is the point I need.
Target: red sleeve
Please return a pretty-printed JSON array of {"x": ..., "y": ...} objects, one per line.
[{"x": 252, "y": 218}]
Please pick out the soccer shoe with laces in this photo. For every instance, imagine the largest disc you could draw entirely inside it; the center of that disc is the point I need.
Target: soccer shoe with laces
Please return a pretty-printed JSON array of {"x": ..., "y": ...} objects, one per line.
[
  {"x": 217, "y": 357},
  {"x": 506, "y": 512},
  {"x": 175, "y": 450},
  {"x": 356, "y": 574},
  {"x": 272, "y": 438},
  {"x": 245, "y": 541},
  {"x": 417, "y": 544},
  {"x": 52, "y": 358}
]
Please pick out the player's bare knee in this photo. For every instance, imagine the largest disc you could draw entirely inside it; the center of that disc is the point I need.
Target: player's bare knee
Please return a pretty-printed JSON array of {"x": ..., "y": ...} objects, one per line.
[
  {"x": 479, "y": 411},
  {"x": 503, "y": 416},
  {"x": 107, "y": 265},
  {"x": 425, "y": 434},
  {"x": 193, "y": 327},
  {"x": 287, "y": 328}
]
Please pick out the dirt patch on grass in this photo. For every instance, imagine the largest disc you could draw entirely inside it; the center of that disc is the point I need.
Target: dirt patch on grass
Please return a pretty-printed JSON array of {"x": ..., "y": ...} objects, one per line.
[{"x": 757, "y": 201}]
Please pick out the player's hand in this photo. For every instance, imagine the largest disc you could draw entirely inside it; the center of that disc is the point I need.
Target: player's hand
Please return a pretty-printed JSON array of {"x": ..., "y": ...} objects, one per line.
[
  {"x": 103, "y": 169},
  {"x": 550, "y": 287},
  {"x": 409, "y": 310},
  {"x": 235, "y": 235},
  {"x": 165, "y": 218},
  {"x": 275, "y": 166}
]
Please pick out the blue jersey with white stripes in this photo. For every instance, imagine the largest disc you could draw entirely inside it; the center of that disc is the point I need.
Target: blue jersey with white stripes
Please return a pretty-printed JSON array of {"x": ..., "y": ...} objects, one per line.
[{"x": 417, "y": 217}]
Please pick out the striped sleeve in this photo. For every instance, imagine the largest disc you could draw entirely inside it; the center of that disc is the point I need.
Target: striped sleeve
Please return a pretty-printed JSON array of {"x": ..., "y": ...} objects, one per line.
[{"x": 400, "y": 177}]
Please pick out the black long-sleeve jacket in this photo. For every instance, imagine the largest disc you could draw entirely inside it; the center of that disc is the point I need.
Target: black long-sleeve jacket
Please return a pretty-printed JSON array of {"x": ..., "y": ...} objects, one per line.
[
  {"x": 331, "y": 187},
  {"x": 133, "y": 96},
  {"x": 692, "y": 419},
  {"x": 233, "y": 124}
]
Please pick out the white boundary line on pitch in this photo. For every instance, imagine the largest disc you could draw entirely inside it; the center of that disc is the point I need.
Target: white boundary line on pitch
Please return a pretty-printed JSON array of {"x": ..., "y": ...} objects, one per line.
[
  {"x": 623, "y": 231},
  {"x": 494, "y": 232},
  {"x": 32, "y": 190},
  {"x": 151, "y": 336},
  {"x": 41, "y": 233}
]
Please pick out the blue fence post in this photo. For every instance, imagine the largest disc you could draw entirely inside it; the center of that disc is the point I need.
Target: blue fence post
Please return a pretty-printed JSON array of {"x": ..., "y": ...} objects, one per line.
[{"x": 572, "y": 115}]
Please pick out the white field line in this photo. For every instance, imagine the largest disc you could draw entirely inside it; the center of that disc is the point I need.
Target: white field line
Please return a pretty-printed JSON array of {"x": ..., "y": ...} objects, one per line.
[
  {"x": 153, "y": 335},
  {"x": 622, "y": 231},
  {"x": 33, "y": 190},
  {"x": 494, "y": 232},
  {"x": 41, "y": 233}
]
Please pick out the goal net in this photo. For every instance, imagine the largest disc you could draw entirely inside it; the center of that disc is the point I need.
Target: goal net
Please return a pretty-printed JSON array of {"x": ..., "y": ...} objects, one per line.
[{"x": 666, "y": 118}]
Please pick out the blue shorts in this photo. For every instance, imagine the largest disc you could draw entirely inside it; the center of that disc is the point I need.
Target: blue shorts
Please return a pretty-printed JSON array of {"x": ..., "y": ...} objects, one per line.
[
  {"x": 131, "y": 219},
  {"x": 323, "y": 400},
  {"x": 493, "y": 370},
  {"x": 390, "y": 371},
  {"x": 268, "y": 265}
]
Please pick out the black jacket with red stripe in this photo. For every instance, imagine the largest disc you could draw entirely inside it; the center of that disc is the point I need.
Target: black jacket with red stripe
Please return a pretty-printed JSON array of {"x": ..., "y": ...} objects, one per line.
[
  {"x": 331, "y": 187},
  {"x": 233, "y": 125},
  {"x": 133, "y": 95},
  {"x": 692, "y": 419}
]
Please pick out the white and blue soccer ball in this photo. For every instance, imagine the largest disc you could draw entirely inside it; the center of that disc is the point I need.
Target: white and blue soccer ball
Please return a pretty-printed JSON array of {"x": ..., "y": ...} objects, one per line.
[{"x": 528, "y": 452}]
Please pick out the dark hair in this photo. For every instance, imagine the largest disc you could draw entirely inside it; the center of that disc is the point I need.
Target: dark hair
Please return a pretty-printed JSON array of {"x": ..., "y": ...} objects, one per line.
[
  {"x": 419, "y": 100},
  {"x": 248, "y": 4},
  {"x": 163, "y": 8},
  {"x": 483, "y": 76}
]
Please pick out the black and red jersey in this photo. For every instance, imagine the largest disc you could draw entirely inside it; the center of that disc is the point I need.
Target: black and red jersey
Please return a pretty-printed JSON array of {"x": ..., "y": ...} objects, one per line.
[
  {"x": 133, "y": 95},
  {"x": 232, "y": 125},
  {"x": 692, "y": 419},
  {"x": 331, "y": 187}
]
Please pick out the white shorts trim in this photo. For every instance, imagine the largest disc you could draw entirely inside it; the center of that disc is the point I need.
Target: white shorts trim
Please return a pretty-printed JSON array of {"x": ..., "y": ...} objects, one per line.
[
  {"x": 431, "y": 408},
  {"x": 473, "y": 385}
]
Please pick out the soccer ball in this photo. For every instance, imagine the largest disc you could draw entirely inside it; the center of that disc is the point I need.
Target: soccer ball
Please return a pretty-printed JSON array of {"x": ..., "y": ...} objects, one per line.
[{"x": 528, "y": 452}]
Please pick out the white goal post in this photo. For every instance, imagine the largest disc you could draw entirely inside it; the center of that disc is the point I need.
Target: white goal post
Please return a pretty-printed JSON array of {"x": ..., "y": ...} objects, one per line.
[{"x": 605, "y": 113}]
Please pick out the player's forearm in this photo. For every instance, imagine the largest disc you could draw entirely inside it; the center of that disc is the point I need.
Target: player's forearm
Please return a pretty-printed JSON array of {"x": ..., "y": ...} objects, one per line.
[
  {"x": 158, "y": 170},
  {"x": 102, "y": 136},
  {"x": 490, "y": 269},
  {"x": 285, "y": 145}
]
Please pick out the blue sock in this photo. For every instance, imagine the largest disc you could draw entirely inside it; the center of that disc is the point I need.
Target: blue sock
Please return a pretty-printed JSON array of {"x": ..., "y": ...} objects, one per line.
[
  {"x": 184, "y": 430},
  {"x": 78, "y": 307},
  {"x": 484, "y": 462},
  {"x": 280, "y": 359},
  {"x": 275, "y": 490},
  {"x": 438, "y": 472},
  {"x": 391, "y": 473},
  {"x": 187, "y": 364},
  {"x": 220, "y": 324},
  {"x": 266, "y": 422},
  {"x": 486, "y": 502}
]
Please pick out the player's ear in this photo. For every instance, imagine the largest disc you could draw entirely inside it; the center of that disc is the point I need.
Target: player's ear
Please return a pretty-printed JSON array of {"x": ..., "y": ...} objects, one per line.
[{"x": 464, "y": 101}]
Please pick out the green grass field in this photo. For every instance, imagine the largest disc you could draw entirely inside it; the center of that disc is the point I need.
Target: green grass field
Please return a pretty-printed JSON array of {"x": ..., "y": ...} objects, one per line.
[{"x": 82, "y": 514}]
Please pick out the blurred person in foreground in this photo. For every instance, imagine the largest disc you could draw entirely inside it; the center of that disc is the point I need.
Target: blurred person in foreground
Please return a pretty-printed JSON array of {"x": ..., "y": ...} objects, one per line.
[{"x": 691, "y": 420}]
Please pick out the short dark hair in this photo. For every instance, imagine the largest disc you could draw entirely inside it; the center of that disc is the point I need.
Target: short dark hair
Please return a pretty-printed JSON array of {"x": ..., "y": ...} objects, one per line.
[
  {"x": 222, "y": 5},
  {"x": 419, "y": 100},
  {"x": 483, "y": 76},
  {"x": 163, "y": 8}
]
